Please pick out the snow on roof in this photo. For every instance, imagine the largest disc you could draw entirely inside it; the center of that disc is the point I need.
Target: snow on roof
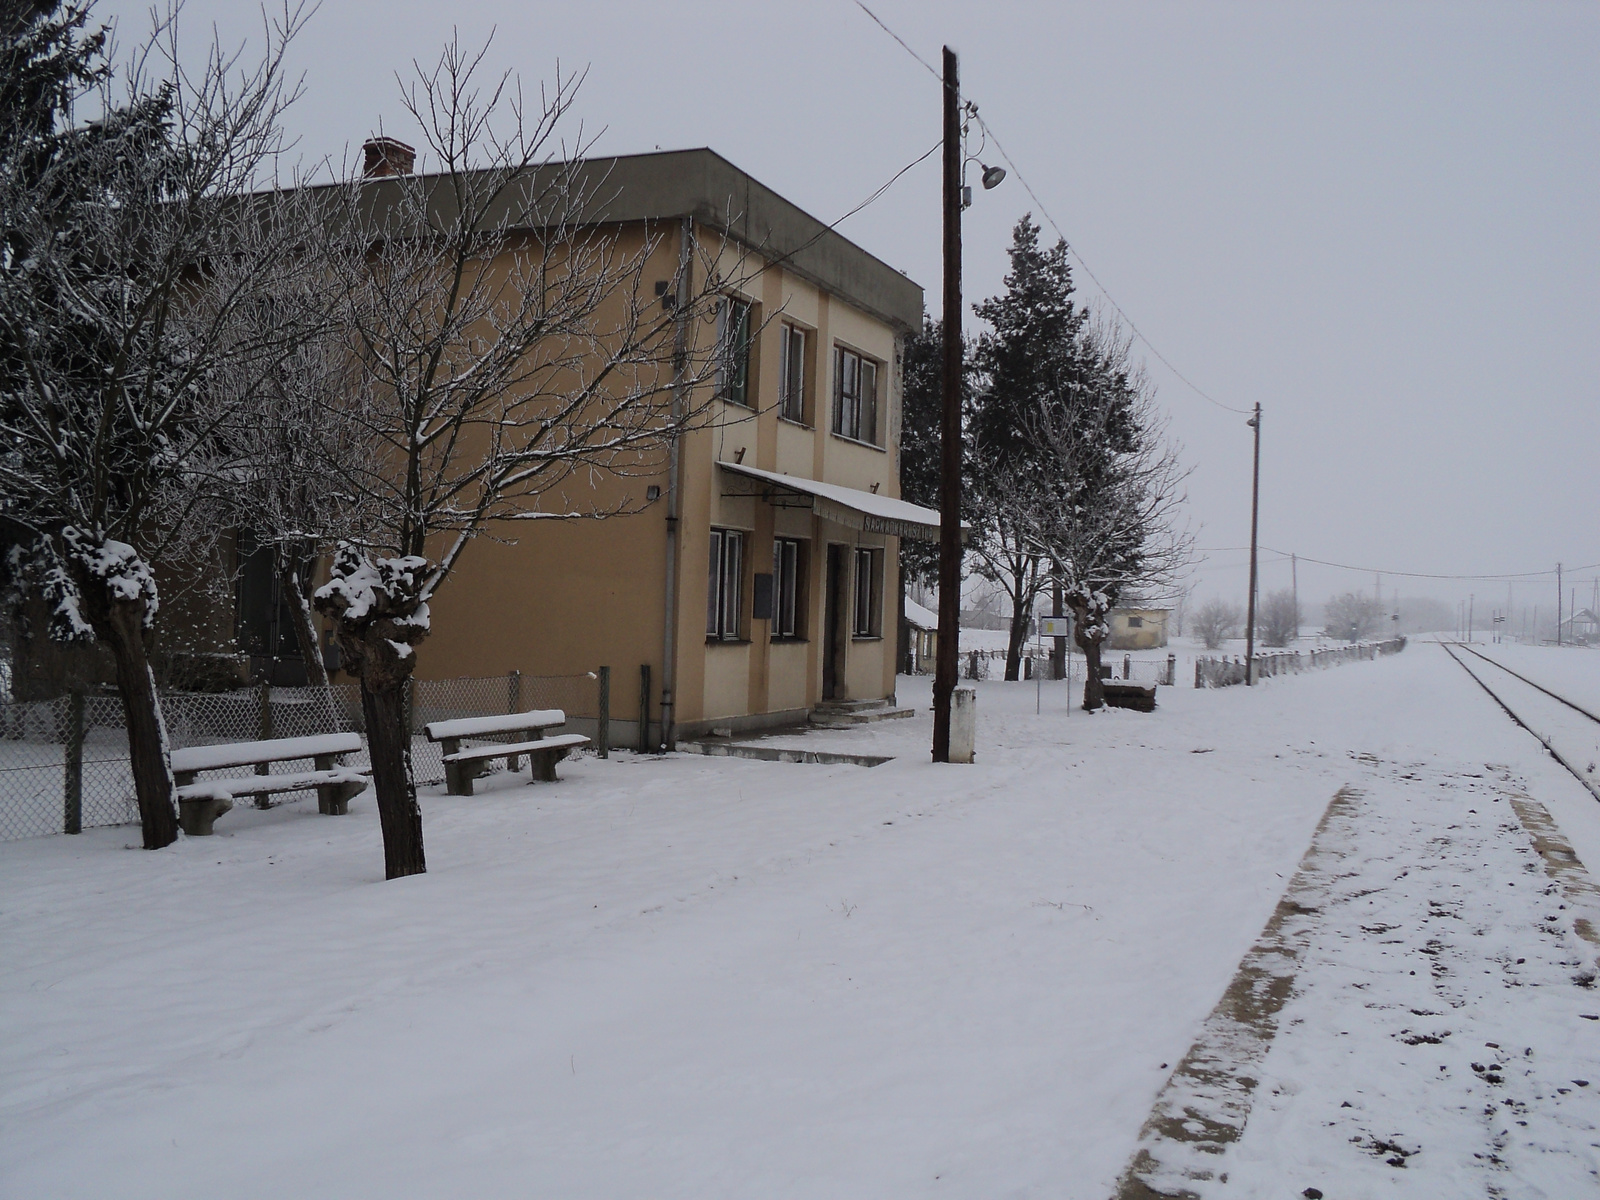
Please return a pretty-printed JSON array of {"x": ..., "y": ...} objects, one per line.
[
  {"x": 853, "y": 507},
  {"x": 922, "y": 618}
]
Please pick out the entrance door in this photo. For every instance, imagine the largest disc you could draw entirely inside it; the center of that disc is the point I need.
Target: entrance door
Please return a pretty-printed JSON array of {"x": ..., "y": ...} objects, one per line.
[{"x": 833, "y": 640}]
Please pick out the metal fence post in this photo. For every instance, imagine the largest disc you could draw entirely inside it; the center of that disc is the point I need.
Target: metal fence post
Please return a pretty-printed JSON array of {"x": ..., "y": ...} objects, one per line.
[
  {"x": 514, "y": 691},
  {"x": 644, "y": 708},
  {"x": 264, "y": 726},
  {"x": 602, "y": 722},
  {"x": 72, "y": 776}
]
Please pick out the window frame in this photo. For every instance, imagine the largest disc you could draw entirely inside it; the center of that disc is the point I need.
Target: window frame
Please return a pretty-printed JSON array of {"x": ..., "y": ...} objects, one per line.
[
  {"x": 725, "y": 586},
  {"x": 866, "y": 593},
  {"x": 852, "y": 401},
  {"x": 735, "y": 348},
  {"x": 792, "y": 372},
  {"x": 788, "y": 589}
]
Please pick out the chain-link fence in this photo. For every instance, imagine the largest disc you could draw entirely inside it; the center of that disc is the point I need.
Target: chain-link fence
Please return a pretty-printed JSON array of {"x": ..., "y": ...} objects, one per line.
[{"x": 64, "y": 762}]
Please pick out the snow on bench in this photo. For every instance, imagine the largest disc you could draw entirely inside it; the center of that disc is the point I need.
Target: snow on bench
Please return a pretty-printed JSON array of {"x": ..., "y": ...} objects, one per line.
[
  {"x": 465, "y": 727},
  {"x": 461, "y": 767},
  {"x": 244, "y": 754},
  {"x": 201, "y": 803}
]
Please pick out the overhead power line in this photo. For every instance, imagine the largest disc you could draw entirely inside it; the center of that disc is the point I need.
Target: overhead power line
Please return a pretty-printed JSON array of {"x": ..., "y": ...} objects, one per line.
[
  {"x": 1504, "y": 577},
  {"x": 1055, "y": 225}
]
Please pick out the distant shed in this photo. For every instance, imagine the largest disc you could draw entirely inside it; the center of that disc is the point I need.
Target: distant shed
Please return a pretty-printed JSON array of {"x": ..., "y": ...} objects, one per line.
[
  {"x": 1138, "y": 628},
  {"x": 922, "y": 628}
]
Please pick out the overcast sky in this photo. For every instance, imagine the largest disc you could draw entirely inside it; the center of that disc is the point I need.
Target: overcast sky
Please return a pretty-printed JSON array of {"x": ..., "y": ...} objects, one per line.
[{"x": 1379, "y": 221}]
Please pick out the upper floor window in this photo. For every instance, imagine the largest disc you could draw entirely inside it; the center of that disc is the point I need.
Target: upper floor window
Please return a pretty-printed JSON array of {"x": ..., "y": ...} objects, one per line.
[
  {"x": 855, "y": 396},
  {"x": 792, "y": 373},
  {"x": 723, "y": 595},
  {"x": 733, "y": 351}
]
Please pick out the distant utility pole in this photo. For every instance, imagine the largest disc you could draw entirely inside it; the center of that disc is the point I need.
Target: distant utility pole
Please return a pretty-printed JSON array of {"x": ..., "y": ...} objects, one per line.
[
  {"x": 1255, "y": 511},
  {"x": 1558, "y": 604},
  {"x": 1471, "y": 601},
  {"x": 944, "y": 676},
  {"x": 1294, "y": 582}
]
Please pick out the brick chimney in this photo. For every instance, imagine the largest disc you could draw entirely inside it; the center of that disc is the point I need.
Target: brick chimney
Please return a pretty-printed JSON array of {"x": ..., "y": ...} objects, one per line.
[{"x": 387, "y": 156}]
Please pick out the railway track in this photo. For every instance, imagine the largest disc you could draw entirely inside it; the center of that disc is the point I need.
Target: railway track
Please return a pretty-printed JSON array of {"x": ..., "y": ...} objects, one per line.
[{"x": 1567, "y": 730}]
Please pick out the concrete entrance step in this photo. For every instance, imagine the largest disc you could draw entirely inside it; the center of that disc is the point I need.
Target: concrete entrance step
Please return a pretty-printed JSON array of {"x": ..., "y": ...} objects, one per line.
[
  {"x": 721, "y": 749},
  {"x": 857, "y": 713}
]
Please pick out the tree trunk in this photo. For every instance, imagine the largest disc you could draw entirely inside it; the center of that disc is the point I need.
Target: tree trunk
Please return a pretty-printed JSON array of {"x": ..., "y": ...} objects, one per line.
[
  {"x": 1094, "y": 693},
  {"x": 1058, "y": 649},
  {"x": 389, "y": 745},
  {"x": 120, "y": 625},
  {"x": 1019, "y": 635},
  {"x": 305, "y": 625}
]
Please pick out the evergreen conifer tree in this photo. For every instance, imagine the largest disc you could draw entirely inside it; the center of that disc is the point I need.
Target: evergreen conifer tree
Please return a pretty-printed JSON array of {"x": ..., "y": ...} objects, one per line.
[{"x": 1028, "y": 360}]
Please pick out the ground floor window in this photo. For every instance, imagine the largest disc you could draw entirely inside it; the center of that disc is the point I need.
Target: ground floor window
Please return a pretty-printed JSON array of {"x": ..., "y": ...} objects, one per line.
[
  {"x": 788, "y": 588},
  {"x": 723, "y": 597},
  {"x": 866, "y": 619}
]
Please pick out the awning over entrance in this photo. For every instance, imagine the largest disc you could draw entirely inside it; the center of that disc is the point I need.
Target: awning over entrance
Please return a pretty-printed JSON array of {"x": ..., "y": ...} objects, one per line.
[{"x": 850, "y": 507}]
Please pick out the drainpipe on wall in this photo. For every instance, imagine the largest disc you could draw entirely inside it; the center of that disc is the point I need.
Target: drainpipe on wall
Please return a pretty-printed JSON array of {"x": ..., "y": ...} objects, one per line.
[{"x": 680, "y": 367}]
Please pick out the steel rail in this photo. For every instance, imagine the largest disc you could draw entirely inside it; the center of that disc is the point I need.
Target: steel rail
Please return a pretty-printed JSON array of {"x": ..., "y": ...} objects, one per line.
[
  {"x": 1531, "y": 683},
  {"x": 1539, "y": 737}
]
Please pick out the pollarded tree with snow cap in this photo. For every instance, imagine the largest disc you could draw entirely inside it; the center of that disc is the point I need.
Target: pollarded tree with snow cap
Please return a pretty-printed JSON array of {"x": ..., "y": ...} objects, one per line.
[
  {"x": 131, "y": 248},
  {"x": 506, "y": 345}
]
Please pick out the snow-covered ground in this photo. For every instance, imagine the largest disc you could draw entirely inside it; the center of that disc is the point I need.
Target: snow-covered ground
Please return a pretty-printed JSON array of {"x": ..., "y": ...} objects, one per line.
[{"x": 714, "y": 977}]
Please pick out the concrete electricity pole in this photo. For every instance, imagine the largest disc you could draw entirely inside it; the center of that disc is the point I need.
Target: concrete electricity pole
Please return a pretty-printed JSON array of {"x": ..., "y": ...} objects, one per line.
[
  {"x": 1255, "y": 511},
  {"x": 1558, "y": 604}
]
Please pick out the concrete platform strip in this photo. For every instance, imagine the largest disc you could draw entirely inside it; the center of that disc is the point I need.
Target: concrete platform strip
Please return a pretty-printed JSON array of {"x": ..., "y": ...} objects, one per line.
[
  {"x": 1562, "y": 864},
  {"x": 1206, "y": 1101}
]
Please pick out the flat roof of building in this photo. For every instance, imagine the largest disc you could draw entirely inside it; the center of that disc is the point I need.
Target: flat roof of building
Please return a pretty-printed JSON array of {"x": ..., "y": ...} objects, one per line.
[{"x": 668, "y": 185}]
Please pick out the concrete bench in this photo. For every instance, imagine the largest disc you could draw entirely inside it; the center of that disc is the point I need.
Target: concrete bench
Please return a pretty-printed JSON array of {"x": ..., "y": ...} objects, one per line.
[
  {"x": 1136, "y": 696},
  {"x": 201, "y": 802},
  {"x": 461, "y": 767}
]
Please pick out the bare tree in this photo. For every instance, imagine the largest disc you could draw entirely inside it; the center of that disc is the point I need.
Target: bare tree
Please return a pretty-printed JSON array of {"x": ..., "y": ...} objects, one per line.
[
  {"x": 506, "y": 347},
  {"x": 1107, "y": 510},
  {"x": 1353, "y": 616},
  {"x": 1216, "y": 621},
  {"x": 132, "y": 247},
  {"x": 289, "y": 440},
  {"x": 1004, "y": 548},
  {"x": 1278, "y": 618}
]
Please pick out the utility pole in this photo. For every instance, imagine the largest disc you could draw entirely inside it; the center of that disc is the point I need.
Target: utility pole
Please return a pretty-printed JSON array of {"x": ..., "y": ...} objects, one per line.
[
  {"x": 944, "y": 676},
  {"x": 1255, "y": 511},
  {"x": 1558, "y": 604},
  {"x": 1294, "y": 583},
  {"x": 1471, "y": 601}
]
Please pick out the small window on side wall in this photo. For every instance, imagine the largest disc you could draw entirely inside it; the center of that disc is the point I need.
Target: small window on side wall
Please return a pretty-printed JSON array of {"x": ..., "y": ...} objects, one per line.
[
  {"x": 792, "y": 373},
  {"x": 724, "y": 582},
  {"x": 866, "y": 613},
  {"x": 855, "y": 396},
  {"x": 788, "y": 588}
]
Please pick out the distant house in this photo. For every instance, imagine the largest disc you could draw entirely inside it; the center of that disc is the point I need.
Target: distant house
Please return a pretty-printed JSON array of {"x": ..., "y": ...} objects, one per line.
[
  {"x": 1138, "y": 628},
  {"x": 1582, "y": 628},
  {"x": 922, "y": 626}
]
